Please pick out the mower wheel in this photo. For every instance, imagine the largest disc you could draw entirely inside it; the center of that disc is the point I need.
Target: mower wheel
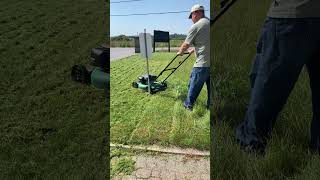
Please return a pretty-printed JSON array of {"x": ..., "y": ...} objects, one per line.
[
  {"x": 165, "y": 85},
  {"x": 79, "y": 73},
  {"x": 135, "y": 85}
]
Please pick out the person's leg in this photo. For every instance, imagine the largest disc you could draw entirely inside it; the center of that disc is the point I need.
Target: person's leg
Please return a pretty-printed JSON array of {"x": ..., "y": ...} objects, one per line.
[
  {"x": 208, "y": 92},
  {"x": 197, "y": 79},
  {"x": 285, "y": 48},
  {"x": 256, "y": 60},
  {"x": 313, "y": 68},
  {"x": 254, "y": 70}
]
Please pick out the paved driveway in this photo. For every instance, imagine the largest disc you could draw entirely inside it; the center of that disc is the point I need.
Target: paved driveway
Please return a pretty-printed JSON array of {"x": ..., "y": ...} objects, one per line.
[{"x": 119, "y": 53}]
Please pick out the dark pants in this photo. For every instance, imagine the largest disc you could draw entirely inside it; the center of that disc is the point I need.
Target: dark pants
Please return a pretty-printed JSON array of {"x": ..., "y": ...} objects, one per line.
[
  {"x": 198, "y": 77},
  {"x": 284, "y": 47}
]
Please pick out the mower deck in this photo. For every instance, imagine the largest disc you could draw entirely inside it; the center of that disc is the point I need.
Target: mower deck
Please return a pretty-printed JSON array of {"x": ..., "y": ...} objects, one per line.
[{"x": 156, "y": 86}]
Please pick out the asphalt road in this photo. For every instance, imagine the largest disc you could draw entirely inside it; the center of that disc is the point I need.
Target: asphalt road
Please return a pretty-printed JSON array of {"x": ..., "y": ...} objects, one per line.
[{"x": 119, "y": 53}]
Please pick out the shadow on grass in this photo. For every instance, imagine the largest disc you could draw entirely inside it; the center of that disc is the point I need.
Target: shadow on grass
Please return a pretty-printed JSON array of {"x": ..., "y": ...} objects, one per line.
[
  {"x": 233, "y": 113},
  {"x": 230, "y": 100},
  {"x": 168, "y": 96},
  {"x": 182, "y": 97},
  {"x": 179, "y": 97}
]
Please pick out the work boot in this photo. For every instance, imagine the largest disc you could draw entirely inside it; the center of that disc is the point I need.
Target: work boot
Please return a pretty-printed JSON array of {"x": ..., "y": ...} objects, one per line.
[
  {"x": 314, "y": 148},
  {"x": 187, "y": 107},
  {"x": 253, "y": 147}
]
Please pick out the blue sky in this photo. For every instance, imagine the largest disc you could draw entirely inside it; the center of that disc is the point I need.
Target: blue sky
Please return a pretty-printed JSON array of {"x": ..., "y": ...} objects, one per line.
[{"x": 174, "y": 23}]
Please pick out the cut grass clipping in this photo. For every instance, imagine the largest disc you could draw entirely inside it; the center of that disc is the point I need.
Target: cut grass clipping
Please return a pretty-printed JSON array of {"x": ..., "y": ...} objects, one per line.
[
  {"x": 122, "y": 166},
  {"x": 140, "y": 118},
  {"x": 122, "y": 162}
]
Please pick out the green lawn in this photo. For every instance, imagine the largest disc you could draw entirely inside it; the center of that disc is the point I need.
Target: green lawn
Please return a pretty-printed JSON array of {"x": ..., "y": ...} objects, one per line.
[
  {"x": 140, "y": 118},
  {"x": 287, "y": 156},
  {"x": 50, "y": 127}
]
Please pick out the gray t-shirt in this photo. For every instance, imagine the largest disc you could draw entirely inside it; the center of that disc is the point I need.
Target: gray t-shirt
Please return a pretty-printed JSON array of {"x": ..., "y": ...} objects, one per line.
[
  {"x": 295, "y": 9},
  {"x": 199, "y": 37}
]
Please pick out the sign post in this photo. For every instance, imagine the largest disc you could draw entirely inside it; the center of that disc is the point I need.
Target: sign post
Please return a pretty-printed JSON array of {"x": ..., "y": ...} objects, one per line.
[{"x": 146, "y": 51}]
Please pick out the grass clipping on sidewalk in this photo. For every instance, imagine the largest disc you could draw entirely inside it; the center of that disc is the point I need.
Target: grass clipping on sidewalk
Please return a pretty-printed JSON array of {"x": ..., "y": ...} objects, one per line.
[{"x": 140, "y": 118}]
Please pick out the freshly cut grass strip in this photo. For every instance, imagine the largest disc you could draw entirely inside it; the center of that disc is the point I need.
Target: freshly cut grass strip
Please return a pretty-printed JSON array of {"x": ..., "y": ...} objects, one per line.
[
  {"x": 169, "y": 150},
  {"x": 140, "y": 118}
]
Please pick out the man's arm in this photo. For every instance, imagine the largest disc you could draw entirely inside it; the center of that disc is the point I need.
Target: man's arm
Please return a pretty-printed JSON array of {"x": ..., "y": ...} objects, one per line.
[
  {"x": 189, "y": 40},
  {"x": 183, "y": 48}
]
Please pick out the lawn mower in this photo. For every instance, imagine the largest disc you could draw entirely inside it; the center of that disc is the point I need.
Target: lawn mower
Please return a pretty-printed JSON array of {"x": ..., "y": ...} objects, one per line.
[
  {"x": 224, "y": 5},
  {"x": 156, "y": 86},
  {"x": 98, "y": 72}
]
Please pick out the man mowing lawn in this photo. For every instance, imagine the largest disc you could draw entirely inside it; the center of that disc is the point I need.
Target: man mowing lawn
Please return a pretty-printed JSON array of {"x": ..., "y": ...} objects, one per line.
[
  {"x": 289, "y": 40},
  {"x": 198, "y": 36}
]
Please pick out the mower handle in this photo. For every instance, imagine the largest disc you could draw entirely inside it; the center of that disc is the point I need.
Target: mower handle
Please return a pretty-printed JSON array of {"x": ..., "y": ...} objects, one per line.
[
  {"x": 171, "y": 62},
  {"x": 225, "y": 6},
  {"x": 178, "y": 55},
  {"x": 173, "y": 69}
]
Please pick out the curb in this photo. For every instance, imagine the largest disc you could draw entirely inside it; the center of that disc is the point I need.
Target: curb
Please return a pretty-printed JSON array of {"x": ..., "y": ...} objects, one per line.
[{"x": 171, "y": 150}]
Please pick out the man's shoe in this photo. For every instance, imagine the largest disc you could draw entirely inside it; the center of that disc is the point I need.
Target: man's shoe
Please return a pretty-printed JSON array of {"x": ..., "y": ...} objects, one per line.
[
  {"x": 253, "y": 147},
  {"x": 187, "y": 107},
  {"x": 314, "y": 148}
]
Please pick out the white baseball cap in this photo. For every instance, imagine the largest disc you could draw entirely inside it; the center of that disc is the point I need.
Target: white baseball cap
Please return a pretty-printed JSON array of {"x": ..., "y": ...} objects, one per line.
[{"x": 194, "y": 8}]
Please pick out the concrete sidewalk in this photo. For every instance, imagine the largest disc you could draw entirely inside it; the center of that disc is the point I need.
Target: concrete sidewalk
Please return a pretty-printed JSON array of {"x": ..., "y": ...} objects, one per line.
[{"x": 169, "y": 166}]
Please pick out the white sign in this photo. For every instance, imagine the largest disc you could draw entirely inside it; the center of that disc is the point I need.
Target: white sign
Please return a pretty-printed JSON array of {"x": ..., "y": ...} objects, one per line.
[{"x": 145, "y": 45}]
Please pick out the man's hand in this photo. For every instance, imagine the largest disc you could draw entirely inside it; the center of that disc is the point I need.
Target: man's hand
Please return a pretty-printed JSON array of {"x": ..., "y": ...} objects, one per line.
[
  {"x": 180, "y": 53},
  {"x": 183, "y": 48},
  {"x": 190, "y": 50}
]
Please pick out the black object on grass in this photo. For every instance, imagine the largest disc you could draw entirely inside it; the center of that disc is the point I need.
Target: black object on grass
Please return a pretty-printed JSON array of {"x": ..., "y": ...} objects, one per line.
[
  {"x": 156, "y": 86},
  {"x": 98, "y": 72}
]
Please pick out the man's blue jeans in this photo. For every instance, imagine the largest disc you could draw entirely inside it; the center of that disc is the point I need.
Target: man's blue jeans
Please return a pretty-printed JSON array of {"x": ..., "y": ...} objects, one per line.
[
  {"x": 284, "y": 47},
  {"x": 198, "y": 77}
]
